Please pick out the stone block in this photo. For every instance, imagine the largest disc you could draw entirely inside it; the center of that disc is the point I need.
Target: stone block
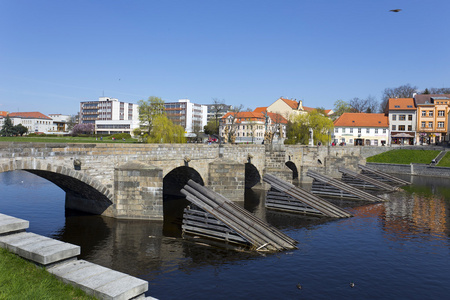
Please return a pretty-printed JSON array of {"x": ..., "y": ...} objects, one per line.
[
  {"x": 10, "y": 224},
  {"x": 37, "y": 248}
]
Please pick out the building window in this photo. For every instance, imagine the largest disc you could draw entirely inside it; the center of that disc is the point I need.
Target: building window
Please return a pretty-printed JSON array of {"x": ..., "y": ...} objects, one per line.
[
  {"x": 401, "y": 127},
  {"x": 336, "y": 130},
  {"x": 394, "y": 117},
  {"x": 402, "y": 117},
  {"x": 343, "y": 130},
  {"x": 430, "y": 113},
  {"x": 409, "y": 117},
  {"x": 430, "y": 124},
  {"x": 424, "y": 113},
  {"x": 351, "y": 130},
  {"x": 367, "y": 130},
  {"x": 423, "y": 125},
  {"x": 384, "y": 130},
  {"x": 409, "y": 127},
  {"x": 376, "y": 130},
  {"x": 394, "y": 127},
  {"x": 359, "y": 130},
  {"x": 441, "y": 113},
  {"x": 440, "y": 124}
]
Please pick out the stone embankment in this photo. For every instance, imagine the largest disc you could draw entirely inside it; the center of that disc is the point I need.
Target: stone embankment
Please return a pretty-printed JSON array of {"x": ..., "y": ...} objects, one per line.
[{"x": 60, "y": 259}]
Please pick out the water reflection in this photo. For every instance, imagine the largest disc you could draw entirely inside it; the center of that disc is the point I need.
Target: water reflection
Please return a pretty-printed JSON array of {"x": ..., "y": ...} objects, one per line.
[{"x": 378, "y": 246}]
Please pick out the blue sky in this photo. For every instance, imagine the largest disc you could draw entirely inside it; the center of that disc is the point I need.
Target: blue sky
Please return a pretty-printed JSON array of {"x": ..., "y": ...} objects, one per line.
[{"x": 54, "y": 54}]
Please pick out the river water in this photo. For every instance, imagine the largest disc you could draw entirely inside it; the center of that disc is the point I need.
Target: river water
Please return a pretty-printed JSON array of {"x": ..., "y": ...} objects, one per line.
[{"x": 398, "y": 249}]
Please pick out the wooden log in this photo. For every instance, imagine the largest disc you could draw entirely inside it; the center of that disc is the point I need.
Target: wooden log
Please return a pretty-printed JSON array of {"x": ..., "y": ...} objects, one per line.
[
  {"x": 323, "y": 206},
  {"x": 231, "y": 206},
  {"x": 361, "y": 179},
  {"x": 383, "y": 175},
  {"x": 245, "y": 224},
  {"x": 247, "y": 221}
]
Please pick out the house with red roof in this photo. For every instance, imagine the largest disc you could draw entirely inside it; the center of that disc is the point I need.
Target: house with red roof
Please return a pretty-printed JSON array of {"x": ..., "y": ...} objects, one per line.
[
  {"x": 402, "y": 115},
  {"x": 361, "y": 129},
  {"x": 252, "y": 127},
  {"x": 289, "y": 108},
  {"x": 35, "y": 121}
]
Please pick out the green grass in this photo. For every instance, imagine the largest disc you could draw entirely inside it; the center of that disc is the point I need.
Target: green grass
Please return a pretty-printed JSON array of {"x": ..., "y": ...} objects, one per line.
[
  {"x": 404, "y": 156},
  {"x": 445, "y": 161},
  {"x": 62, "y": 139},
  {"x": 20, "y": 279}
]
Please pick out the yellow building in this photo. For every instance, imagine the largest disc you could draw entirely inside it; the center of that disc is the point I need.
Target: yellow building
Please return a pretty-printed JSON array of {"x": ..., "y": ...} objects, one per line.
[{"x": 432, "y": 118}]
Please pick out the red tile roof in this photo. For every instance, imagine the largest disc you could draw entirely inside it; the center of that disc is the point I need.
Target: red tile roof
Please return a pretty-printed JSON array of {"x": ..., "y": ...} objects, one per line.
[
  {"x": 401, "y": 104},
  {"x": 29, "y": 115},
  {"x": 3, "y": 113},
  {"x": 256, "y": 116},
  {"x": 292, "y": 103},
  {"x": 361, "y": 120},
  {"x": 260, "y": 109}
]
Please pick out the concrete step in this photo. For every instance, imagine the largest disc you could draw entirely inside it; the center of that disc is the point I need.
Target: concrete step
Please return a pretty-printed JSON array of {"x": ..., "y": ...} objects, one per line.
[
  {"x": 10, "y": 224},
  {"x": 99, "y": 281},
  {"x": 39, "y": 249}
]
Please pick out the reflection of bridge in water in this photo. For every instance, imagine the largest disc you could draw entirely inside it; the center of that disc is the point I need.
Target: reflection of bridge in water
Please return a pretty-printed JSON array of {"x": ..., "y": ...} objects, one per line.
[{"x": 128, "y": 180}]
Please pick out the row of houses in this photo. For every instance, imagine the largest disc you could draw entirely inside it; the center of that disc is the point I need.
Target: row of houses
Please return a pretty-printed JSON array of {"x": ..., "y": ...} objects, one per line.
[{"x": 422, "y": 119}]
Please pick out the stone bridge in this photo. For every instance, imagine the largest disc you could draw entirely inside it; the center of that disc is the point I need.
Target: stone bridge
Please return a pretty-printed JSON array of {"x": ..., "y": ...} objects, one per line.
[{"x": 129, "y": 180}]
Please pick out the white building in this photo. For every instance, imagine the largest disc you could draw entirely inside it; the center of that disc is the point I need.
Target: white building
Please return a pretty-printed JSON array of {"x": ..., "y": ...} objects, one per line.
[
  {"x": 36, "y": 122},
  {"x": 61, "y": 122},
  {"x": 110, "y": 115},
  {"x": 361, "y": 129},
  {"x": 192, "y": 117},
  {"x": 402, "y": 113},
  {"x": 251, "y": 127}
]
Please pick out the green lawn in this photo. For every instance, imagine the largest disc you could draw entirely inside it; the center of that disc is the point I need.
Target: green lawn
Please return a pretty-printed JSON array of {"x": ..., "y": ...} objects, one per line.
[
  {"x": 445, "y": 161},
  {"x": 20, "y": 279},
  {"x": 62, "y": 139},
  {"x": 404, "y": 156}
]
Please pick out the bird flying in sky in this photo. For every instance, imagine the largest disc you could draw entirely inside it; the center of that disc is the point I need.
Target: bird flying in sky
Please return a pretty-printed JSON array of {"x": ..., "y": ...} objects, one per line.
[{"x": 395, "y": 10}]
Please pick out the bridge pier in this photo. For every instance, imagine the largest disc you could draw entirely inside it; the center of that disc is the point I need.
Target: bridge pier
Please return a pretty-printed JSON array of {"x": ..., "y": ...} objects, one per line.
[
  {"x": 227, "y": 177},
  {"x": 138, "y": 191}
]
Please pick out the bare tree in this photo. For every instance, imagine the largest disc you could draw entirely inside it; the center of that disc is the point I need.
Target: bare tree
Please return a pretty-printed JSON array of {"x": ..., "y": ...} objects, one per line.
[
  {"x": 234, "y": 114},
  {"x": 403, "y": 91},
  {"x": 367, "y": 105},
  {"x": 438, "y": 91}
]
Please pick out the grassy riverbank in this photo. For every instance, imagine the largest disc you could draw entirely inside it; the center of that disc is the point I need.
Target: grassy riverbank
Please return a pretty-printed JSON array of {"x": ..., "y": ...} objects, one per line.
[
  {"x": 20, "y": 279},
  {"x": 404, "y": 156}
]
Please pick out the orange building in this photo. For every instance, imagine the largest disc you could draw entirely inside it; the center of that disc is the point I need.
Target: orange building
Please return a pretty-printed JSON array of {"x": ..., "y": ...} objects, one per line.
[{"x": 432, "y": 118}]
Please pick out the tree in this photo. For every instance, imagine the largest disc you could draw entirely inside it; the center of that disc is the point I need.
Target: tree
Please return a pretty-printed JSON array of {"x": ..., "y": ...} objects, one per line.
[
  {"x": 72, "y": 122},
  {"x": 232, "y": 122},
  {"x": 164, "y": 131},
  {"x": 148, "y": 110},
  {"x": 212, "y": 127},
  {"x": 340, "y": 107},
  {"x": 403, "y": 91},
  {"x": 437, "y": 91},
  {"x": 20, "y": 129},
  {"x": 367, "y": 105},
  {"x": 83, "y": 129},
  {"x": 298, "y": 128},
  {"x": 8, "y": 128}
]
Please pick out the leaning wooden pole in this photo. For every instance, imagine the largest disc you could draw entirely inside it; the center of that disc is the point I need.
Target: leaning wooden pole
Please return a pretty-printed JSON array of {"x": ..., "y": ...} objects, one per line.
[{"x": 258, "y": 233}]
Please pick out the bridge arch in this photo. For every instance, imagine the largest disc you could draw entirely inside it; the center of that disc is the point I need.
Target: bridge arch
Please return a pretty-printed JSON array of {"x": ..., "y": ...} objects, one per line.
[
  {"x": 177, "y": 178},
  {"x": 77, "y": 185},
  {"x": 291, "y": 165}
]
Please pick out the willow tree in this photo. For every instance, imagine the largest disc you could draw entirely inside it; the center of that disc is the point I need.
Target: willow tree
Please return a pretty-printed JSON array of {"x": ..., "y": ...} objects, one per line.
[
  {"x": 298, "y": 128},
  {"x": 164, "y": 131},
  {"x": 148, "y": 110}
]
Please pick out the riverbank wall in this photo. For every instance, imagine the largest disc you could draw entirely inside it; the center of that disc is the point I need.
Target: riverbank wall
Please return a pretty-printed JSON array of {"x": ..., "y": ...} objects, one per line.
[{"x": 412, "y": 169}]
